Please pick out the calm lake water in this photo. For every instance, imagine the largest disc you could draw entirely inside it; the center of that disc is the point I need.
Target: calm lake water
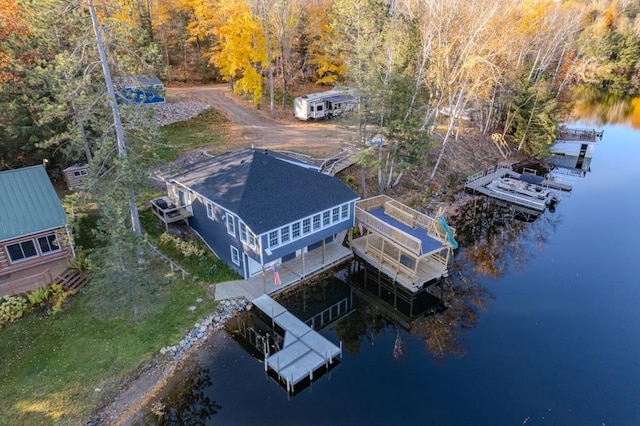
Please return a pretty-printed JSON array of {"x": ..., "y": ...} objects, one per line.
[{"x": 547, "y": 332}]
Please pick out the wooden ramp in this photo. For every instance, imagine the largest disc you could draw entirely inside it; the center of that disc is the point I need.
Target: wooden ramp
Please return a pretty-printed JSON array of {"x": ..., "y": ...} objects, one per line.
[{"x": 304, "y": 350}]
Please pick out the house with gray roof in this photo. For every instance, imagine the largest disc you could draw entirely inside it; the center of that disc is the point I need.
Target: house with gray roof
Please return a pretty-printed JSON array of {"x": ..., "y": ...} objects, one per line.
[
  {"x": 255, "y": 208},
  {"x": 35, "y": 245}
]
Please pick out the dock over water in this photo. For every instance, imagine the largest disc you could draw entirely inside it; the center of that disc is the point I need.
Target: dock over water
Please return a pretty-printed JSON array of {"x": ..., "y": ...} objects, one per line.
[
  {"x": 478, "y": 182},
  {"x": 304, "y": 350}
]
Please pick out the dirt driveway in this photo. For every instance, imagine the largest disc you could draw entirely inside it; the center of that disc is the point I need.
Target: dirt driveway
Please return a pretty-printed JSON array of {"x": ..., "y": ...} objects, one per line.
[{"x": 250, "y": 126}]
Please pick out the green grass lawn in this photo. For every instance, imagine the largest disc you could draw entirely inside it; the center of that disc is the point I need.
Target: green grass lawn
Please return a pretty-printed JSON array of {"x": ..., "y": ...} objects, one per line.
[
  {"x": 52, "y": 365},
  {"x": 207, "y": 129}
]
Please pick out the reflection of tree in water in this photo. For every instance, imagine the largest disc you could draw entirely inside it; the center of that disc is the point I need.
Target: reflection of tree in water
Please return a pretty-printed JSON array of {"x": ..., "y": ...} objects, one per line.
[
  {"x": 190, "y": 404},
  {"x": 463, "y": 298},
  {"x": 493, "y": 236},
  {"x": 604, "y": 107},
  {"x": 365, "y": 323}
]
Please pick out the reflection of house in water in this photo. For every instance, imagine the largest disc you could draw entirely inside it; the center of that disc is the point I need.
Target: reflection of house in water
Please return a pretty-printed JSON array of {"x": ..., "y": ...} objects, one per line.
[
  {"x": 569, "y": 165},
  {"x": 573, "y": 149},
  {"x": 293, "y": 352}
]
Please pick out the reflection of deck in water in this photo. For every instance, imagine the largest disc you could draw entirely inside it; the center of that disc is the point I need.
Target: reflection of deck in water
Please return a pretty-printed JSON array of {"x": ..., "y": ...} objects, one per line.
[
  {"x": 395, "y": 302},
  {"x": 304, "y": 351}
]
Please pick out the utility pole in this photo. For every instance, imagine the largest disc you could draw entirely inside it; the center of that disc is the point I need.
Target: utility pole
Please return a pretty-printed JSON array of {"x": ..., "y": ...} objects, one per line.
[{"x": 122, "y": 147}]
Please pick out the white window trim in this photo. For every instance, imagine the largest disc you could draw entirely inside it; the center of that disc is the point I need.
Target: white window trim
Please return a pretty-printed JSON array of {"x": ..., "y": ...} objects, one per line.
[
  {"x": 343, "y": 216},
  {"x": 235, "y": 253},
  {"x": 210, "y": 213},
  {"x": 231, "y": 224}
]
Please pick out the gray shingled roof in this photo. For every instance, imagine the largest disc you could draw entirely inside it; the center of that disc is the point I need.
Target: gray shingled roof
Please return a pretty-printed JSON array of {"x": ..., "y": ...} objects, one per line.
[
  {"x": 28, "y": 203},
  {"x": 264, "y": 191}
]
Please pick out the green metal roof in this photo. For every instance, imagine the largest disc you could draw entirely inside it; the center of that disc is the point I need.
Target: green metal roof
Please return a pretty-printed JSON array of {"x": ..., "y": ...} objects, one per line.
[{"x": 28, "y": 203}]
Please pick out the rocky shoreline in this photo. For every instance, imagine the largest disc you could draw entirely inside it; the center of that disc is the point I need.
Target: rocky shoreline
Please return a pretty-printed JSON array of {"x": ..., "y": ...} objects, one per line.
[{"x": 140, "y": 390}]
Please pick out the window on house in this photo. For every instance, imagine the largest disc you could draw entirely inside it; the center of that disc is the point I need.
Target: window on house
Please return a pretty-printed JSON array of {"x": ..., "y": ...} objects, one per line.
[
  {"x": 326, "y": 218},
  {"x": 22, "y": 251},
  {"x": 284, "y": 234},
  {"x": 231, "y": 225},
  {"x": 306, "y": 226},
  {"x": 252, "y": 239},
  {"x": 48, "y": 244},
  {"x": 79, "y": 173},
  {"x": 345, "y": 211},
  {"x": 273, "y": 238},
  {"x": 335, "y": 216},
  {"x": 210, "y": 213},
  {"x": 243, "y": 232},
  {"x": 316, "y": 222},
  {"x": 295, "y": 230},
  {"x": 235, "y": 255}
]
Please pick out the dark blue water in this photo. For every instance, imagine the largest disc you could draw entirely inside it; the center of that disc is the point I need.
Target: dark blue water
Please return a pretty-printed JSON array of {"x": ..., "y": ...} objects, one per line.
[{"x": 557, "y": 343}]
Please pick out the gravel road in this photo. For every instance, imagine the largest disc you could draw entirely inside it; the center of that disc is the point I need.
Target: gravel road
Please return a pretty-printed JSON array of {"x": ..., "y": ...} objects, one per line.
[{"x": 250, "y": 126}]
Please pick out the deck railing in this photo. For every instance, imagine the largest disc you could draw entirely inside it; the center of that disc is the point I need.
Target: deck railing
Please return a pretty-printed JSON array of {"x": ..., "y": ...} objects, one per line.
[
  {"x": 171, "y": 214},
  {"x": 374, "y": 224},
  {"x": 26, "y": 284}
]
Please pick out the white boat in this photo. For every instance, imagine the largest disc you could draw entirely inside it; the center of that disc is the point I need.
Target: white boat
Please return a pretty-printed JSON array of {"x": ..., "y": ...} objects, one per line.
[{"x": 524, "y": 193}]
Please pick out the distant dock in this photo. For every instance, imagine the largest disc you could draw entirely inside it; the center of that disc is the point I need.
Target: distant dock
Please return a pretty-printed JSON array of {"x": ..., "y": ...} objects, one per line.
[
  {"x": 478, "y": 182},
  {"x": 304, "y": 351},
  {"x": 578, "y": 135}
]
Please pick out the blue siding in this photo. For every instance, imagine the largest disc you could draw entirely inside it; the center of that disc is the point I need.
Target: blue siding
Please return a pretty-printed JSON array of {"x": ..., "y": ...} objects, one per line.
[
  {"x": 214, "y": 233},
  {"x": 315, "y": 237}
]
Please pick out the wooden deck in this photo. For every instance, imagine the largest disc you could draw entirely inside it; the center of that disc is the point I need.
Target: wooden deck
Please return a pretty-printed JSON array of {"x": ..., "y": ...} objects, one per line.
[
  {"x": 406, "y": 245},
  {"x": 291, "y": 272},
  {"x": 304, "y": 350},
  {"x": 378, "y": 252},
  {"x": 165, "y": 210},
  {"x": 36, "y": 275}
]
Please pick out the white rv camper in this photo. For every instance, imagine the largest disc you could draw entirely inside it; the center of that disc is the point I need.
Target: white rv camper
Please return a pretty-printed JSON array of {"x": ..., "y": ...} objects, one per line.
[{"x": 322, "y": 105}]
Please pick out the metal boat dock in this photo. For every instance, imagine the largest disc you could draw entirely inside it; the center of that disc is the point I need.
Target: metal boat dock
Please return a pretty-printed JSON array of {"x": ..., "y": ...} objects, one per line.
[
  {"x": 478, "y": 182},
  {"x": 304, "y": 350}
]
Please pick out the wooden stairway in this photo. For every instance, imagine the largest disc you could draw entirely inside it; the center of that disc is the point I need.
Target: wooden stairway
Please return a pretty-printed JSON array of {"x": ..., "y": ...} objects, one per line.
[{"x": 73, "y": 280}]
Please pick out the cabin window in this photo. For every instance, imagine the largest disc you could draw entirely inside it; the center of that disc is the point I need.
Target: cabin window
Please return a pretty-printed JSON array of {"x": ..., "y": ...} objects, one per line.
[
  {"x": 22, "y": 251},
  {"x": 210, "y": 213},
  {"x": 319, "y": 108},
  {"x": 235, "y": 255},
  {"x": 231, "y": 225},
  {"x": 295, "y": 230},
  {"x": 335, "y": 214},
  {"x": 48, "y": 244},
  {"x": 246, "y": 236},
  {"x": 306, "y": 226},
  {"x": 79, "y": 173},
  {"x": 273, "y": 238},
  {"x": 284, "y": 234},
  {"x": 326, "y": 218},
  {"x": 345, "y": 211},
  {"x": 316, "y": 222}
]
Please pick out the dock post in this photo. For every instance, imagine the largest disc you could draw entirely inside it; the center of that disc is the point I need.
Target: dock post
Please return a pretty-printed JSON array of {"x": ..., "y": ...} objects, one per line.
[
  {"x": 311, "y": 374},
  {"x": 340, "y": 349}
]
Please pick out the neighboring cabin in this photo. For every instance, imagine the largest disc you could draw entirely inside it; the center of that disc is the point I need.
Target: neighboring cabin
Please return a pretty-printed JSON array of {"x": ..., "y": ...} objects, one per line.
[
  {"x": 256, "y": 208},
  {"x": 34, "y": 239}
]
